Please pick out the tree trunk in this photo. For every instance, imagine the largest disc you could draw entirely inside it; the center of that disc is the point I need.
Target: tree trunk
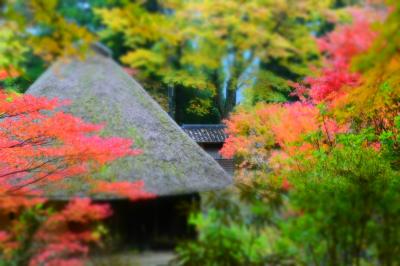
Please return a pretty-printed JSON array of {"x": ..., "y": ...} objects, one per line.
[{"x": 230, "y": 100}]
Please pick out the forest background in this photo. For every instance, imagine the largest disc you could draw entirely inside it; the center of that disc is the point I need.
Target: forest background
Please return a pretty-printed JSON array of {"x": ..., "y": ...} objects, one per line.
[{"x": 309, "y": 91}]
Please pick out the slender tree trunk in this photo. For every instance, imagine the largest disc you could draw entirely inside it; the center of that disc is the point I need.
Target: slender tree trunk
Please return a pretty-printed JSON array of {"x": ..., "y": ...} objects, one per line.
[
  {"x": 232, "y": 85},
  {"x": 237, "y": 69},
  {"x": 218, "y": 97},
  {"x": 230, "y": 100}
]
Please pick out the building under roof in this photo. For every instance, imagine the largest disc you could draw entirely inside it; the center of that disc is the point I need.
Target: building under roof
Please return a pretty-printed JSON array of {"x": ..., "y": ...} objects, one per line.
[
  {"x": 211, "y": 138},
  {"x": 172, "y": 165},
  {"x": 101, "y": 92},
  {"x": 203, "y": 133}
]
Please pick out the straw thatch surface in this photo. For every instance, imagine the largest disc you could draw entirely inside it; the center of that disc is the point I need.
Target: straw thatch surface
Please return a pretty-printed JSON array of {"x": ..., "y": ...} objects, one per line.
[{"x": 101, "y": 91}]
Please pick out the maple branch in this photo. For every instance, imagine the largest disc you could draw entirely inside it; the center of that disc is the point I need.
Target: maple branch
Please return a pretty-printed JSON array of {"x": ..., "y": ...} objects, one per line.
[
  {"x": 19, "y": 187},
  {"x": 27, "y": 169},
  {"x": 30, "y": 141}
]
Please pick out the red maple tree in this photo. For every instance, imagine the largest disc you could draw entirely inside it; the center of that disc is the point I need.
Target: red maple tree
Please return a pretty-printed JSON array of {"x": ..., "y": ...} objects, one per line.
[
  {"x": 41, "y": 145},
  {"x": 283, "y": 133},
  {"x": 38, "y": 147},
  {"x": 339, "y": 47}
]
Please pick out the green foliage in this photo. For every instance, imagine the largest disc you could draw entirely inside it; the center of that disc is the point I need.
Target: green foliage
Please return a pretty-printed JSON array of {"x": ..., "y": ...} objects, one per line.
[
  {"x": 345, "y": 200},
  {"x": 327, "y": 198},
  {"x": 222, "y": 244},
  {"x": 217, "y": 46},
  {"x": 390, "y": 140},
  {"x": 12, "y": 49},
  {"x": 29, "y": 222},
  {"x": 220, "y": 47},
  {"x": 341, "y": 212},
  {"x": 269, "y": 87},
  {"x": 195, "y": 106},
  {"x": 36, "y": 31},
  {"x": 234, "y": 231}
]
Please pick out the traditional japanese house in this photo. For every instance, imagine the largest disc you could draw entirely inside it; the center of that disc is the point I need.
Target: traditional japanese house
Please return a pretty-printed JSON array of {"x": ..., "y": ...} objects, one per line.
[
  {"x": 211, "y": 138},
  {"x": 172, "y": 165}
]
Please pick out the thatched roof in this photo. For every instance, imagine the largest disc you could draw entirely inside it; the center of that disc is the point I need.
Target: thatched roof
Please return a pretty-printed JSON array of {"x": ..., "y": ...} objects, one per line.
[{"x": 101, "y": 91}]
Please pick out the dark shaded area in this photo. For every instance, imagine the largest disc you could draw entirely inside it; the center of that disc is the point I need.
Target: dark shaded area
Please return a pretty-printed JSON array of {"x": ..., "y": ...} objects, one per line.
[
  {"x": 184, "y": 114},
  {"x": 151, "y": 224},
  {"x": 213, "y": 149},
  {"x": 211, "y": 139}
]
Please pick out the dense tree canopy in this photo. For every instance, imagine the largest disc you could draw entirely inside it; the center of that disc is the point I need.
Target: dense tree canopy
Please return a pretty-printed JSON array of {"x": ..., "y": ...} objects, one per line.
[
  {"x": 218, "y": 47},
  {"x": 319, "y": 174},
  {"x": 213, "y": 54}
]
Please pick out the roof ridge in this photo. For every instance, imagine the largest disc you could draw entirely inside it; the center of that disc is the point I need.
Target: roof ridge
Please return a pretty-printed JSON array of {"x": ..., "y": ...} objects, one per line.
[{"x": 203, "y": 125}]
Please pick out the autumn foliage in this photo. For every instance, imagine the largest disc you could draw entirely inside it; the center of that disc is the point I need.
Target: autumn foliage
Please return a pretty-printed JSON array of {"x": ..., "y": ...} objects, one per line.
[
  {"x": 290, "y": 124},
  {"x": 63, "y": 238},
  {"x": 326, "y": 165},
  {"x": 42, "y": 146},
  {"x": 38, "y": 148}
]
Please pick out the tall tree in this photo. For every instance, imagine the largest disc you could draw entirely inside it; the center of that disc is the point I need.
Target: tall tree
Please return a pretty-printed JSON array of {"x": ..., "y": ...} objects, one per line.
[
  {"x": 321, "y": 172},
  {"x": 217, "y": 46}
]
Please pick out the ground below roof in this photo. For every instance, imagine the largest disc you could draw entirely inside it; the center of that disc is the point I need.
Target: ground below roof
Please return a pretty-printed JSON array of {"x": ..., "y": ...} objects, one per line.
[{"x": 148, "y": 258}]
